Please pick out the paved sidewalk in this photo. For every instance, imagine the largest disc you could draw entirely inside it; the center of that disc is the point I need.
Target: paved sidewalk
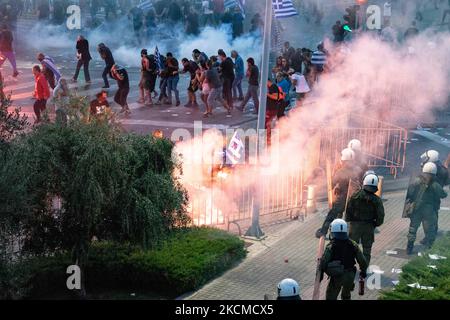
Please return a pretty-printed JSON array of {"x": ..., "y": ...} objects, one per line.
[{"x": 291, "y": 252}]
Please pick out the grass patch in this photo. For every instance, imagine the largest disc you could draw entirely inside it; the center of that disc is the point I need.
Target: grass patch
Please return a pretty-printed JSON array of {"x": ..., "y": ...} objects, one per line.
[
  {"x": 185, "y": 261},
  {"x": 418, "y": 271}
]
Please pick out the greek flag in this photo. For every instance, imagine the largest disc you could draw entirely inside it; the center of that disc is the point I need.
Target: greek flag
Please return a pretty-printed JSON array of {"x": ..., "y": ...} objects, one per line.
[
  {"x": 283, "y": 9},
  {"x": 145, "y": 5},
  {"x": 235, "y": 150},
  {"x": 158, "y": 59},
  {"x": 230, "y": 4}
]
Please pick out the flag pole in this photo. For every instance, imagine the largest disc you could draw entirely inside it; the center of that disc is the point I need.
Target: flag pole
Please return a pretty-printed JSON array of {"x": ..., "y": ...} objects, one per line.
[{"x": 255, "y": 229}]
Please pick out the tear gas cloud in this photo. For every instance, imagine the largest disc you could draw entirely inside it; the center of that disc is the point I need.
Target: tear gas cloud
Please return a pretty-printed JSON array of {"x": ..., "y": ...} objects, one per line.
[
  {"x": 120, "y": 38},
  {"x": 400, "y": 85}
]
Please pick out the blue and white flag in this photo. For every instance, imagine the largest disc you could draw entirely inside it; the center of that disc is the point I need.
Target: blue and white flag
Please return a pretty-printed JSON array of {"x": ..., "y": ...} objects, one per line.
[
  {"x": 158, "y": 61},
  {"x": 283, "y": 8},
  {"x": 145, "y": 5},
  {"x": 235, "y": 150},
  {"x": 229, "y": 4}
]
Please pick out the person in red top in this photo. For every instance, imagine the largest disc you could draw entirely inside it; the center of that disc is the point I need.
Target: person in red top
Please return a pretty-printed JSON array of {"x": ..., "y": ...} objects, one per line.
[{"x": 41, "y": 92}]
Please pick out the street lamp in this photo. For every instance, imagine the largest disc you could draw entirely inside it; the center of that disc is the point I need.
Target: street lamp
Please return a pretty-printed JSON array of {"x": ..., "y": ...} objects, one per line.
[{"x": 255, "y": 230}]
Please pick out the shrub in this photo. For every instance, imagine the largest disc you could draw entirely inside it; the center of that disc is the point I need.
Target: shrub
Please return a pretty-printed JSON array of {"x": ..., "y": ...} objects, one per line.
[
  {"x": 187, "y": 259},
  {"x": 417, "y": 271}
]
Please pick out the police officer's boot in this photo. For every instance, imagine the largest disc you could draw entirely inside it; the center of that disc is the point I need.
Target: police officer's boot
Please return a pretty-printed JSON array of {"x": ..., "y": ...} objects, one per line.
[{"x": 409, "y": 248}]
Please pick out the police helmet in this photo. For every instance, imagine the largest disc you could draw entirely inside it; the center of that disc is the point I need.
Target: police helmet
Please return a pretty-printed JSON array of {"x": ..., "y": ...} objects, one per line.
[
  {"x": 288, "y": 289},
  {"x": 347, "y": 155},
  {"x": 355, "y": 145},
  {"x": 429, "y": 167},
  {"x": 430, "y": 156}
]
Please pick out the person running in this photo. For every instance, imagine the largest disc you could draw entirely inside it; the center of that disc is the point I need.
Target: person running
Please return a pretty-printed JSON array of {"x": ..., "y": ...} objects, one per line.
[
  {"x": 173, "y": 78},
  {"x": 239, "y": 71},
  {"x": 148, "y": 80},
  {"x": 227, "y": 75},
  {"x": 41, "y": 92},
  {"x": 49, "y": 69},
  {"x": 121, "y": 75},
  {"x": 253, "y": 85},
  {"x": 213, "y": 80},
  {"x": 200, "y": 76},
  {"x": 6, "y": 49},
  {"x": 191, "y": 68},
  {"x": 163, "y": 78},
  {"x": 84, "y": 57},
  {"x": 107, "y": 56}
]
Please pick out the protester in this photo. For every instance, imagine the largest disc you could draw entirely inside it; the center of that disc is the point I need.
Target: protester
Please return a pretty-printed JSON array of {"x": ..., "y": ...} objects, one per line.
[
  {"x": 61, "y": 99},
  {"x": 99, "y": 108},
  {"x": 41, "y": 92},
  {"x": 200, "y": 76},
  {"x": 318, "y": 61},
  {"x": 191, "y": 68},
  {"x": 6, "y": 49},
  {"x": 285, "y": 67},
  {"x": 301, "y": 87},
  {"x": 239, "y": 75},
  {"x": 148, "y": 78},
  {"x": 213, "y": 80},
  {"x": 163, "y": 74},
  {"x": 338, "y": 32},
  {"x": 297, "y": 61},
  {"x": 106, "y": 55},
  {"x": 253, "y": 85},
  {"x": 173, "y": 78},
  {"x": 275, "y": 96},
  {"x": 84, "y": 57},
  {"x": 288, "y": 51},
  {"x": 227, "y": 75},
  {"x": 278, "y": 65},
  {"x": 121, "y": 75},
  {"x": 285, "y": 84},
  {"x": 49, "y": 69}
]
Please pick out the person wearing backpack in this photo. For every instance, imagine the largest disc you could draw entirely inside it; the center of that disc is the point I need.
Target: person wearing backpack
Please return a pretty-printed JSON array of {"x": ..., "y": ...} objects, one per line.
[
  {"x": 339, "y": 262},
  {"x": 275, "y": 96},
  {"x": 422, "y": 205}
]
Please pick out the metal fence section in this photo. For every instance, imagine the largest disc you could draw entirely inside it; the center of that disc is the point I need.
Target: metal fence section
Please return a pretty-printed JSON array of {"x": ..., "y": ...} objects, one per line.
[
  {"x": 223, "y": 202},
  {"x": 383, "y": 144}
]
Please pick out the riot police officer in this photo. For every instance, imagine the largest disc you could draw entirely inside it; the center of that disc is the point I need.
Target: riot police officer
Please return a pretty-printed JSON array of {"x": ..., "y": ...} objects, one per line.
[
  {"x": 348, "y": 172},
  {"x": 365, "y": 212},
  {"x": 425, "y": 195},
  {"x": 339, "y": 260}
]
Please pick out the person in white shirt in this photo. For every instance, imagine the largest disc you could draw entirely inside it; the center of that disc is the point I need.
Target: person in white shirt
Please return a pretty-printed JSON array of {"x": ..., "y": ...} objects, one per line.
[{"x": 301, "y": 87}]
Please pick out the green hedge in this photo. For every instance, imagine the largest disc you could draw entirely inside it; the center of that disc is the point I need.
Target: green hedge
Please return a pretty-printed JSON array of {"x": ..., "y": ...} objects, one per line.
[
  {"x": 416, "y": 271},
  {"x": 184, "y": 262}
]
